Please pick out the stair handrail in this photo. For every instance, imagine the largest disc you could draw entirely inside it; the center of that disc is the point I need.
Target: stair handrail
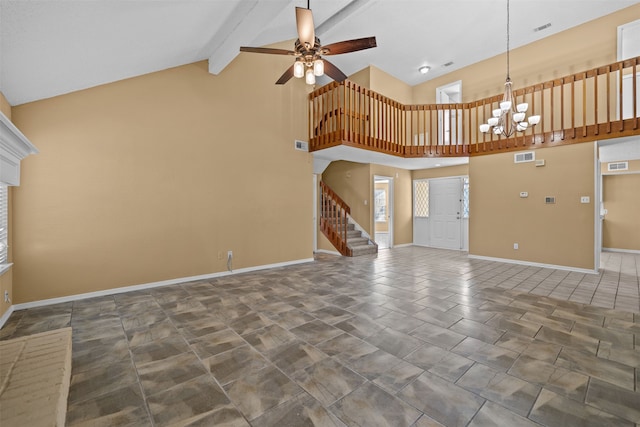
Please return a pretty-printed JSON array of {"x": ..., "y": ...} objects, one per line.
[
  {"x": 596, "y": 104},
  {"x": 334, "y": 218}
]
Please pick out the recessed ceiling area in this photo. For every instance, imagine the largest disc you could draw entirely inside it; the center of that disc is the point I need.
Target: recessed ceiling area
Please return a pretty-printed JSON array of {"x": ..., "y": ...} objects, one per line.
[{"x": 52, "y": 47}]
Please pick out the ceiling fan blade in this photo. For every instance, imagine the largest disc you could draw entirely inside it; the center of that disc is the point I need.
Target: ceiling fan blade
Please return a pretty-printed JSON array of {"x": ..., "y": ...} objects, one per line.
[
  {"x": 333, "y": 71},
  {"x": 286, "y": 76},
  {"x": 266, "y": 50},
  {"x": 306, "y": 30},
  {"x": 349, "y": 46}
]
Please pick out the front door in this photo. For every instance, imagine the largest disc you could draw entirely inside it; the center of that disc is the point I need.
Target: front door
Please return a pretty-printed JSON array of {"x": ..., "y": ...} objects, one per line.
[{"x": 445, "y": 210}]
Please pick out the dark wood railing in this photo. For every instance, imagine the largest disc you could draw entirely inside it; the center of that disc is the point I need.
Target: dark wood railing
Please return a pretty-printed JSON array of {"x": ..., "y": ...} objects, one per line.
[
  {"x": 334, "y": 218},
  {"x": 597, "y": 104}
]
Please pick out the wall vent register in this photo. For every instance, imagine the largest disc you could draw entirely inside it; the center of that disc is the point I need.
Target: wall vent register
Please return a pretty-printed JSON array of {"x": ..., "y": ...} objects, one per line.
[
  {"x": 527, "y": 156},
  {"x": 549, "y": 200},
  {"x": 618, "y": 166}
]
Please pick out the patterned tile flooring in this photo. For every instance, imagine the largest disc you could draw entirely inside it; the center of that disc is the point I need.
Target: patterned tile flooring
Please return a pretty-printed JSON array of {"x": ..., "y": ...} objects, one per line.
[{"x": 410, "y": 337}]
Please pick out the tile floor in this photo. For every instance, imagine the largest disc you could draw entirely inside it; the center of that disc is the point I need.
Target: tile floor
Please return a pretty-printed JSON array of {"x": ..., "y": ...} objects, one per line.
[{"x": 410, "y": 337}]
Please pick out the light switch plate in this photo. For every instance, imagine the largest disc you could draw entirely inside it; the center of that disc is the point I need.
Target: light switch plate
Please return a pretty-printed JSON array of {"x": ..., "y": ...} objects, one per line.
[
  {"x": 585, "y": 199},
  {"x": 524, "y": 194}
]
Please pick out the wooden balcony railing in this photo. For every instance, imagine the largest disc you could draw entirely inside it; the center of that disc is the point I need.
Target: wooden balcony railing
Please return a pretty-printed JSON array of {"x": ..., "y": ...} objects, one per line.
[
  {"x": 334, "y": 217},
  {"x": 597, "y": 104}
]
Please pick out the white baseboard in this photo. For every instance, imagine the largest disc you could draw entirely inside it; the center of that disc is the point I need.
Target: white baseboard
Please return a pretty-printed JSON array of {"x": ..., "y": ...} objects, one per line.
[
  {"x": 6, "y": 316},
  {"x": 535, "y": 264},
  {"x": 124, "y": 289},
  {"x": 325, "y": 251},
  {"x": 624, "y": 251}
]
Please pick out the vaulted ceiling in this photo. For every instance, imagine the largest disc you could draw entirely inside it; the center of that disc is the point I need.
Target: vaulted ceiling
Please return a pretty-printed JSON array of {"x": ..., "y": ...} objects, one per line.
[{"x": 52, "y": 47}]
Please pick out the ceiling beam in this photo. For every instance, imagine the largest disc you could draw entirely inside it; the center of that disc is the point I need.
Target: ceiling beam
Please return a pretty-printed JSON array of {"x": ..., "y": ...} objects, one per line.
[
  {"x": 351, "y": 8},
  {"x": 247, "y": 20}
]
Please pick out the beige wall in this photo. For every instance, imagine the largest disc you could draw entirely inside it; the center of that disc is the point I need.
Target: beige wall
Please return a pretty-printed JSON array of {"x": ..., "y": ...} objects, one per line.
[
  {"x": 4, "y": 106},
  {"x": 6, "y": 279},
  {"x": 362, "y": 77},
  {"x": 558, "y": 234},
  {"x": 621, "y": 199},
  {"x": 458, "y": 170},
  {"x": 578, "y": 49},
  {"x": 389, "y": 86},
  {"x": 157, "y": 177},
  {"x": 383, "y": 83}
]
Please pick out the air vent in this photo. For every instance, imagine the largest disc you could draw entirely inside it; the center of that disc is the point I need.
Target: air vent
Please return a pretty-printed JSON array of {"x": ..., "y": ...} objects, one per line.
[
  {"x": 549, "y": 200},
  {"x": 526, "y": 156},
  {"x": 301, "y": 145},
  {"x": 618, "y": 166},
  {"x": 542, "y": 27},
  {"x": 448, "y": 64}
]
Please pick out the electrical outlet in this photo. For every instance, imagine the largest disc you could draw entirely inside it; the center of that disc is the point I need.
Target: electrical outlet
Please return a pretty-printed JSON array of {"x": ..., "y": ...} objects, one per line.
[{"x": 515, "y": 246}]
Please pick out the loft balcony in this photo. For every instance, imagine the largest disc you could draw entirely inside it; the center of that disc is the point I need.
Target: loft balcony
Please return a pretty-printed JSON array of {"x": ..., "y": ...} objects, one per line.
[{"x": 596, "y": 104}]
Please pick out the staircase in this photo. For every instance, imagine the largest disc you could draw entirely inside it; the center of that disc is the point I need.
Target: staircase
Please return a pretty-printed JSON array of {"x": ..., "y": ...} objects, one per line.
[
  {"x": 338, "y": 226},
  {"x": 359, "y": 244}
]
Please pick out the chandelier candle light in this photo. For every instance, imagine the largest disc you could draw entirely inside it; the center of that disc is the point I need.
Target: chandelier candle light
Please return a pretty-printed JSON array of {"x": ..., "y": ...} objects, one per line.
[{"x": 509, "y": 117}]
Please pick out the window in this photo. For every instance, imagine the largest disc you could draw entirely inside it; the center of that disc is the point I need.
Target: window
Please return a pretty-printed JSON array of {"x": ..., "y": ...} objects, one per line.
[
  {"x": 421, "y": 199},
  {"x": 465, "y": 197},
  {"x": 381, "y": 205},
  {"x": 4, "y": 218}
]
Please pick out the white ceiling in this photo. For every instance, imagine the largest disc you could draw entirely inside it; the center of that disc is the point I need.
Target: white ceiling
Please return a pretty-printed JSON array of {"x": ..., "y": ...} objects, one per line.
[{"x": 52, "y": 47}]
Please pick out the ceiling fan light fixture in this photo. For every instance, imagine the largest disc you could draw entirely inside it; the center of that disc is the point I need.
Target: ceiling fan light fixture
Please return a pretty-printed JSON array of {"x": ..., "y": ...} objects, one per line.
[
  {"x": 318, "y": 67},
  {"x": 309, "y": 77},
  {"x": 308, "y": 52},
  {"x": 298, "y": 69},
  {"x": 424, "y": 69}
]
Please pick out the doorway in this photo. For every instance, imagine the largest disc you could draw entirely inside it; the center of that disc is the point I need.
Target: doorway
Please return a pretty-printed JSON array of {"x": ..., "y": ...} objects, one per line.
[
  {"x": 446, "y": 213},
  {"x": 441, "y": 212},
  {"x": 383, "y": 211},
  {"x": 449, "y": 121}
]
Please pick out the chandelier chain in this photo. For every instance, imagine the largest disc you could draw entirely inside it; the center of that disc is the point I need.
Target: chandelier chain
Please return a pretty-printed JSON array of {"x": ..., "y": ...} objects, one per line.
[{"x": 508, "y": 40}]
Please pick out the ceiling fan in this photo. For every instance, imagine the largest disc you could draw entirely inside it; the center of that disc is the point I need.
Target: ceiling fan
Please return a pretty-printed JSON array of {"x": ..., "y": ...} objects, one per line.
[{"x": 308, "y": 51}]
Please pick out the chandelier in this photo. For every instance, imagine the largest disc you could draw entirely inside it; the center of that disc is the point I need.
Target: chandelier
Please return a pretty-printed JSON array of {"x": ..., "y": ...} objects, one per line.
[{"x": 510, "y": 117}]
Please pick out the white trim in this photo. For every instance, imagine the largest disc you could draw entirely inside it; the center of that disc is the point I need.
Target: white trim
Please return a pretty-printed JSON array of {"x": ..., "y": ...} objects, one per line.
[
  {"x": 604, "y": 173},
  {"x": 151, "y": 285},
  {"x": 5, "y": 267},
  {"x": 13, "y": 140},
  {"x": 325, "y": 251},
  {"x": 14, "y": 147},
  {"x": 534, "y": 264},
  {"x": 597, "y": 223},
  {"x": 315, "y": 211},
  {"x": 624, "y": 251},
  {"x": 6, "y": 316}
]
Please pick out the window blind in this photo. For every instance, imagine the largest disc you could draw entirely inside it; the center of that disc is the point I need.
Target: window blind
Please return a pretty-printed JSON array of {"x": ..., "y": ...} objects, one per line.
[{"x": 4, "y": 218}]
